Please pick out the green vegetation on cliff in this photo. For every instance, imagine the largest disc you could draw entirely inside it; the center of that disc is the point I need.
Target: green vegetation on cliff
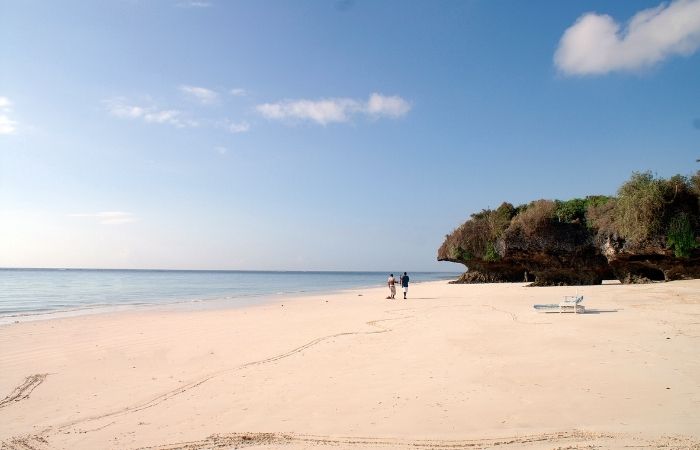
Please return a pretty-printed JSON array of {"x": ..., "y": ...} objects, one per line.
[
  {"x": 680, "y": 236},
  {"x": 649, "y": 208},
  {"x": 476, "y": 237},
  {"x": 649, "y": 214}
]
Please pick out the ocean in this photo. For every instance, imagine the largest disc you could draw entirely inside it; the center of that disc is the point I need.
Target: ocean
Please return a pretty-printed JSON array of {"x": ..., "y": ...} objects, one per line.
[{"x": 27, "y": 294}]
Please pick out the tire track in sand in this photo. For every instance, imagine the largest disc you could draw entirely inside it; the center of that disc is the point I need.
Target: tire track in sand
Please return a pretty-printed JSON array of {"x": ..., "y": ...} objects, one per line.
[
  {"x": 28, "y": 442},
  {"x": 24, "y": 390},
  {"x": 562, "y": 439},
  {"x": 199, "y": 381}
]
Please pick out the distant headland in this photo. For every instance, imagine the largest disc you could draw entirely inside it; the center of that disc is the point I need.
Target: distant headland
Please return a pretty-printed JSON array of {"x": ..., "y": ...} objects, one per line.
[{"x": 649, "y": 232}]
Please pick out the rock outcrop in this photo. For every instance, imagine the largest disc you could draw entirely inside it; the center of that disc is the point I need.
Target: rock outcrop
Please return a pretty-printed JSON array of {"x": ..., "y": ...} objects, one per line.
[
  {"x": 647, "y": 262},
  {"x": 651, "y": 232},
  {"x": 556, "y": 254}
]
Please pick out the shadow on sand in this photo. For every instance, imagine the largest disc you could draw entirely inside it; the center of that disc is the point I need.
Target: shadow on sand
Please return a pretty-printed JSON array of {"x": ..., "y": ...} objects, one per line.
[{"x": 600, "y": 311}]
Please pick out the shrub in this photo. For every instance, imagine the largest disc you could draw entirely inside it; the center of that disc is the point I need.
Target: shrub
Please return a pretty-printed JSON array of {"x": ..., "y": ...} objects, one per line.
[
  {"x": 573, "y": 210},
  {"x": 472, "y": 239},
  {"x": 639, "y": 206},
  {"x": 680, "y": 236},
  {"x": 491, "y": 254},
  {"x": 535, "y": 215},
  {"x": 695, "y": 183},
  {"x": 499, "y": 220},
  {"x": 597, "y": 200},
  {"x": 460, "y": 254},
  {"x": 601, "y": 216},
  {"x": 648, "y": 207}
]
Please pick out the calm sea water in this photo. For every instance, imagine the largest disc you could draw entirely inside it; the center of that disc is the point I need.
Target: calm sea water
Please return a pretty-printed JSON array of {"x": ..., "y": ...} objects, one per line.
[{"x": 28, "y": 293}]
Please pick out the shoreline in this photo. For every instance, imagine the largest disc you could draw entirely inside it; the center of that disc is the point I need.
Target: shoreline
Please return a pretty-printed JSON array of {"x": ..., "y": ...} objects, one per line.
[
  {"x": 218, "y": 304},
  {"x": 204, "y": 300},
  {"x": 453, "y": 365}
]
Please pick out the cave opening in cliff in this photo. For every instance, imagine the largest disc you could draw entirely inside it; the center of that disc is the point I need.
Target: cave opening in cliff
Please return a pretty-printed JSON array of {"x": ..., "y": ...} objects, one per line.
[{"x": 650, "y": 273}]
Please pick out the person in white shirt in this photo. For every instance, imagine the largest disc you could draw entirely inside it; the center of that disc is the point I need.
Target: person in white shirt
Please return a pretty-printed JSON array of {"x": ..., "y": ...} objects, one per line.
[{"x": 392, "y": 285}]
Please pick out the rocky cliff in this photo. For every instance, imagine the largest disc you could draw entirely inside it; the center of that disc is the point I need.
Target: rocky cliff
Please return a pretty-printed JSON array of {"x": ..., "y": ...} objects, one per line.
[
  {"x": 650, "y": 261},
  {"x": 649, "y": 232}
]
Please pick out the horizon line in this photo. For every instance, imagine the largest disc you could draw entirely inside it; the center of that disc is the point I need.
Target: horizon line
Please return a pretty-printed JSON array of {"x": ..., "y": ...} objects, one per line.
[{"x": 220, "y": 270}]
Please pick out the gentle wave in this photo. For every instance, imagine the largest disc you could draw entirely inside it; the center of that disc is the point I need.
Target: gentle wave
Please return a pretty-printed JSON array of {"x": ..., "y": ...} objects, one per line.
[{"x": 38, "y": 292}]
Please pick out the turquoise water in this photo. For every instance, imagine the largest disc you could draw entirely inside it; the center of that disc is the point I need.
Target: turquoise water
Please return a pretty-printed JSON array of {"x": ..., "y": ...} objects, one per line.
[{"x": 35, "y": 292}]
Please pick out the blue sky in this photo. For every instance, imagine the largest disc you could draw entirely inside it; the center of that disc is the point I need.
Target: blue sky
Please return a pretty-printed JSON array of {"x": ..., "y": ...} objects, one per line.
[{"x": 323, "y": 135}]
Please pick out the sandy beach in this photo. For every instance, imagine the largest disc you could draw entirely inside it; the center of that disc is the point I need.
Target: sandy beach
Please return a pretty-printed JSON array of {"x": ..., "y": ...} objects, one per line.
[{"x": 454, "y": 366}]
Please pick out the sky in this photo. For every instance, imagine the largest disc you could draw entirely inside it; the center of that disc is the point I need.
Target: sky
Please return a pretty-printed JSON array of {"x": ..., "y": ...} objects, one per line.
[{"x": 323, "y": 135}]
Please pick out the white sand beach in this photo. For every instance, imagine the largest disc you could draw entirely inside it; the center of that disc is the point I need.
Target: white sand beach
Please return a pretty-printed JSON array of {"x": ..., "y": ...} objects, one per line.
[{"x": 454, "y": 366}]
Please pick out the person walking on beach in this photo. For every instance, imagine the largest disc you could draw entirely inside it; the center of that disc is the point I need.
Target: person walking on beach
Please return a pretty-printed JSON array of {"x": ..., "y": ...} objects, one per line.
[
  {"x": 392, "y": 285},
  {"x": 404, "y": 284}
]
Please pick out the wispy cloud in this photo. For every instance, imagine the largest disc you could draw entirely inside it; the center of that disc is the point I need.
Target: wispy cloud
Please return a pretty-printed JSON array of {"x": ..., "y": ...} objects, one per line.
[
  {"x": 119, "y": 107},
  {"x": 597, "y": 44},
  {"x": 109, "y": 217},
  {"x": 200, "y": 94},
  {"x": 194, "y": 4},
  {"x": 7, "y": 125},
  {"x": 335, "y": 110},
  {"x": 320, "y": 111},
  {"x": 238, "y": 127},
  {"x": 220, "y": 149},
  {"x": 238, "y": 92}
]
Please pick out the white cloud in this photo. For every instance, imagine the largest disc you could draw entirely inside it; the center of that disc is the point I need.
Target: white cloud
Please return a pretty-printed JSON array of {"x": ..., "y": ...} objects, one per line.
[
  {"x": 596, "y": 44},
  {"x": 164, "y": 116},
  {"x": 202, "y": 95},
  {"x": 335, "y": 110},
  {"x": 238, "y": 127},
  {"x": 392, "y": 106},
  {"x": 109, "y": 217},
  {"x": 120, "y": 108},
  {"x": 320, "y": 111},
  {"x": 221, "y": 150},
  {"x": 238, "y": 92},
  {"x": 7, "y": 125}
]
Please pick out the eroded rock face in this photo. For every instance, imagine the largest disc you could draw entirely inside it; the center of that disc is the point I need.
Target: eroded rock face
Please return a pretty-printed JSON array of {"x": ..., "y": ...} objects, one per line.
[
  {"x": 648, "y": 261},
  {"x": 569, "y": 253},
  {"x": 480, "y": 271},
  {"x": 557, "y": 254},
  {"x": 500, "y": 272}
]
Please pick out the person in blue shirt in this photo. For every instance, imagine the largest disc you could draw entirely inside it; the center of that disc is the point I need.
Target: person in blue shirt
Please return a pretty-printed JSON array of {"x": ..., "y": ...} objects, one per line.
[{"x": 404, "y": 284}]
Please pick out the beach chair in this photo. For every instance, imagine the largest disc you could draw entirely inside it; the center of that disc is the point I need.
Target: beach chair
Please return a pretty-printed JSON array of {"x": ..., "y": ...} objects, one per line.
[{"x": 570, "y": 303}]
